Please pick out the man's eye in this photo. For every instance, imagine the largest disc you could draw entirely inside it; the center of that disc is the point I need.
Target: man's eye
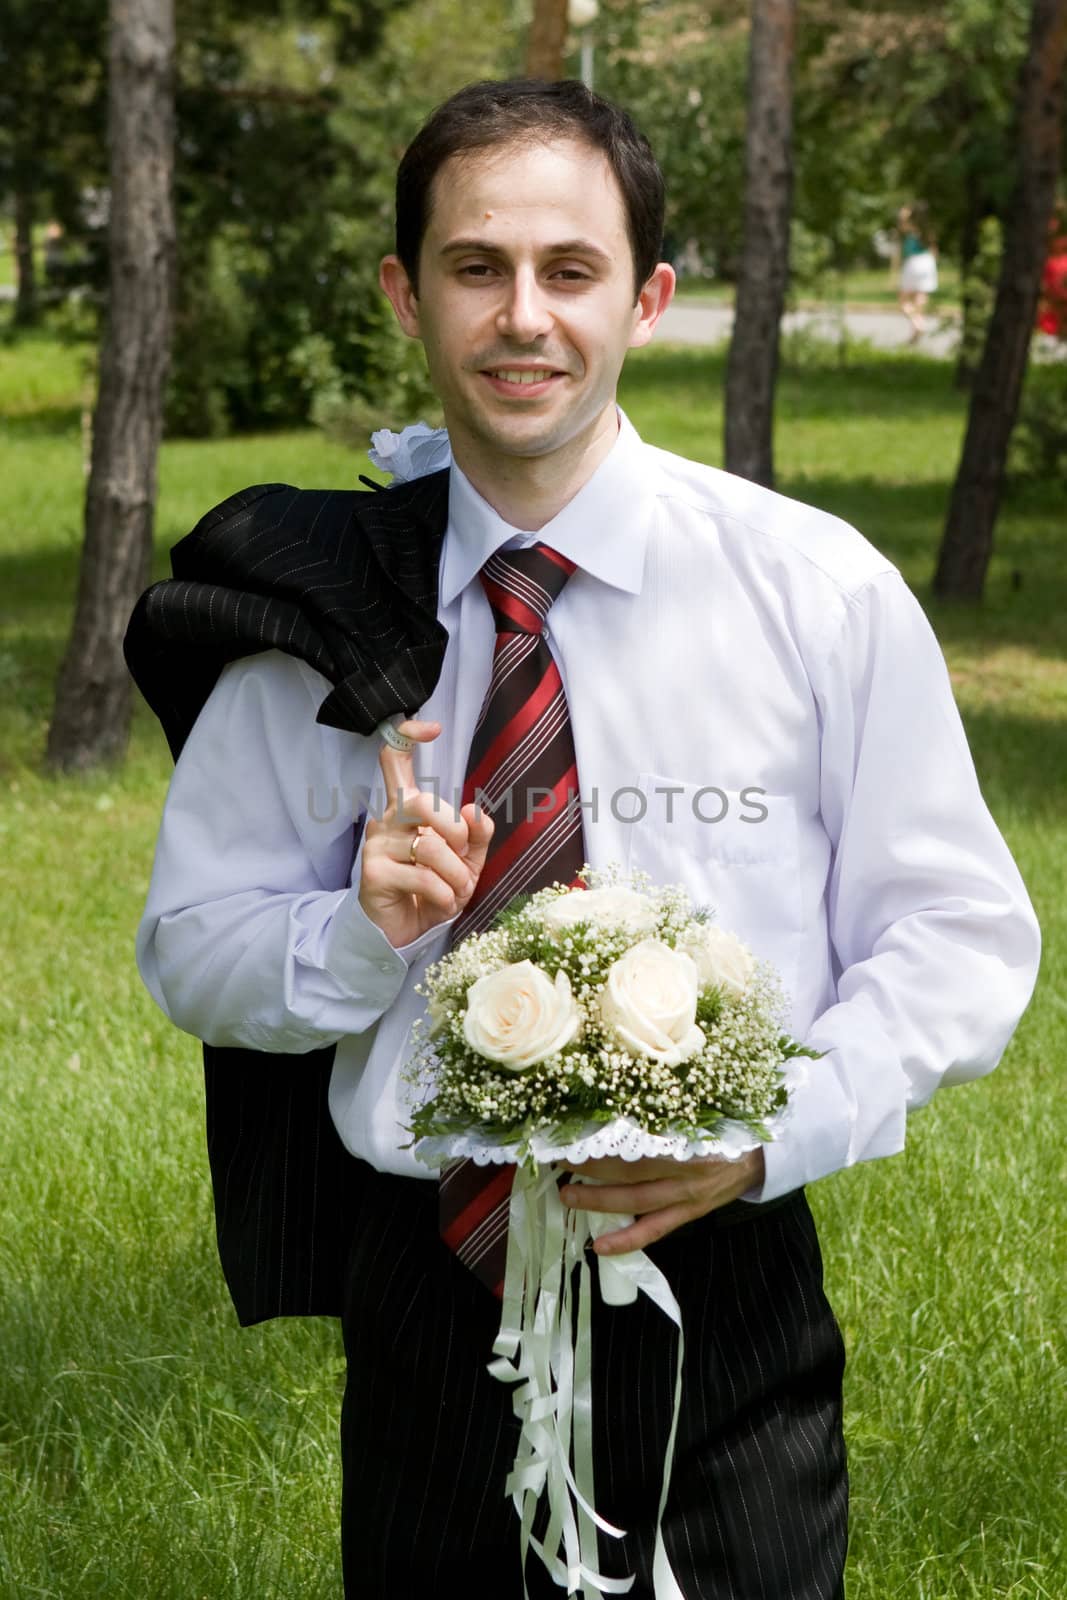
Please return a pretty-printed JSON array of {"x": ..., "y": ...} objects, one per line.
[{"x": 476, "y": 269}]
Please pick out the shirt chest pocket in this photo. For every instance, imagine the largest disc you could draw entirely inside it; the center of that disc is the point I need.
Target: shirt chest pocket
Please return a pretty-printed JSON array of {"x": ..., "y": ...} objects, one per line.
[{"x": 734, "y": 851}]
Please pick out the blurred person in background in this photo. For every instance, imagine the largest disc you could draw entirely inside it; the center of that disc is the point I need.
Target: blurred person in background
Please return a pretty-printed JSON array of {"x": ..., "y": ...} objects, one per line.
[
  {"x": 1052, "y": 303},
  {"x": 915, "y": 265}
]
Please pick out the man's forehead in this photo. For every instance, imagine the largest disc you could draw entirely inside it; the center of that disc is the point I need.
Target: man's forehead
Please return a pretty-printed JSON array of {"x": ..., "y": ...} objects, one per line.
[{"x": 571, "y": 173}]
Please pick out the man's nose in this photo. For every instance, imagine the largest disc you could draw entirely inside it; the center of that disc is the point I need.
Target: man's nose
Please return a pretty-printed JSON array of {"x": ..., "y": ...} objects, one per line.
[{"x": 524, "y": 315}]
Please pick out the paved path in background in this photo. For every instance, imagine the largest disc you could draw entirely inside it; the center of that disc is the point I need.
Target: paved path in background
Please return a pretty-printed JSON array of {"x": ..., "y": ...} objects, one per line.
[{"x": 685, "y": 323}]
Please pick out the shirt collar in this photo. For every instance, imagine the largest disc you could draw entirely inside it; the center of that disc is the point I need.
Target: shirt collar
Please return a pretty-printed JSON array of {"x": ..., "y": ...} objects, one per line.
[{"x": 603, "y": 529}]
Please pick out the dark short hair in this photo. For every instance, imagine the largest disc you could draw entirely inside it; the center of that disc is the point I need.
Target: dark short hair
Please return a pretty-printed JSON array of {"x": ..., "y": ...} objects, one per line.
[{"x": 532, "y": 110}]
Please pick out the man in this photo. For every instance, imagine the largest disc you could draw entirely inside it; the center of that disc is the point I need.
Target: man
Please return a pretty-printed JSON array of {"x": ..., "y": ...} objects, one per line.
[{"x": 756, "y": 708}]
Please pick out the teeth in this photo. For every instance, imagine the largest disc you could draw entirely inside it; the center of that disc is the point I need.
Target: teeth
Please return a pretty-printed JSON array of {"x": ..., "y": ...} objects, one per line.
[{"x": 509, "y": 375}]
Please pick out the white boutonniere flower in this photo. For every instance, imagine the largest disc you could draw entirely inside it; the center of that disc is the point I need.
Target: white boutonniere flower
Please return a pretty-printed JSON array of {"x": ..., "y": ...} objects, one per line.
[{"x": 413, "y": 453}]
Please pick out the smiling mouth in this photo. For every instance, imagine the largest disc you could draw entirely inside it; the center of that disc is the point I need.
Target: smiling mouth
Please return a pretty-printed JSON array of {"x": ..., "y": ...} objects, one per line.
[{"x": 522, "y": 377}]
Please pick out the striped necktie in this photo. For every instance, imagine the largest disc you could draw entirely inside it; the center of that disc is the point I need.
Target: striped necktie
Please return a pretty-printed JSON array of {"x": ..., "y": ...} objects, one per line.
[{"x": 522, "y": 769}]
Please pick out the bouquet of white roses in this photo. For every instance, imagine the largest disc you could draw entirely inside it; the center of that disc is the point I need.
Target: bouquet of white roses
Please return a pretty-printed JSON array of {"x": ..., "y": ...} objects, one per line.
[
  {"x": 614, "y": 1019},
  {"x": 615, "y": 1004}
]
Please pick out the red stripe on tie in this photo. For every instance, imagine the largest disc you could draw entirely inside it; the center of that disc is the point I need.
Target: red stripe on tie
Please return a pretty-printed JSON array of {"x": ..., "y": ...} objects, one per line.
[
  {"x": 527, "y": 831},
  {"x": 563, "y": 562},
  {"x": 463, "y": 1224},
  {"x": 525, "y": 618},
  {"x": 515, "y": 732}
]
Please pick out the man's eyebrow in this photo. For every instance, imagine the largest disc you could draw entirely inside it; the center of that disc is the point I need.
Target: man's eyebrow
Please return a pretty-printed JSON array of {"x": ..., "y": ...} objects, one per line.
[{"x": 566, "y": 247}]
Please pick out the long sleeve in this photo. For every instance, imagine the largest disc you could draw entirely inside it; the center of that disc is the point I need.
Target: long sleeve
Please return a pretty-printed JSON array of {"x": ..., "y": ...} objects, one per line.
[
  {"x": 932, "y": 930},
  {"x": 252, "y": 934}
]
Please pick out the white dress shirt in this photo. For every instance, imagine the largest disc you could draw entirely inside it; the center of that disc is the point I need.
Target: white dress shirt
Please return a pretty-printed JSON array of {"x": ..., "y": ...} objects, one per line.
[{"x": 761, "y": 713}]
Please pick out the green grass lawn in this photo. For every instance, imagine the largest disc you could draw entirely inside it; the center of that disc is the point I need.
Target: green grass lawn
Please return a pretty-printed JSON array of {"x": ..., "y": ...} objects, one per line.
[{"x": 150, "y": 1448}]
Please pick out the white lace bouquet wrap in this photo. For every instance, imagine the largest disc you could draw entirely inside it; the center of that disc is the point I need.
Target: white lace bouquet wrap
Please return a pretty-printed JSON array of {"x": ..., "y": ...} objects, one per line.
[{"x": 614, "y": 1019}]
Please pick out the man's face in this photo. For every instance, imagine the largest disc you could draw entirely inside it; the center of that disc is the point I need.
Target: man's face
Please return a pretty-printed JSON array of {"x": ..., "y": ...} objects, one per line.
[{"x": 525, "y": 302}]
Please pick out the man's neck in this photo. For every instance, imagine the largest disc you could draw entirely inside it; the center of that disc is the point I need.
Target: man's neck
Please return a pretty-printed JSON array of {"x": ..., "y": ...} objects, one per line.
[{"x": 528, "y": 491}]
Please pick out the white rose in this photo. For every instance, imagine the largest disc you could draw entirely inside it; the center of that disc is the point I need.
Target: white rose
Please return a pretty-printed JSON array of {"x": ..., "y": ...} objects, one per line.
[
  {"x": 623, "y": 908},
  {"x": 721, "y": 959},
  {"x": 518, "y": 1016},
  {"x": 649, "y": 1002},
  {"x": 412, "y": 453}
]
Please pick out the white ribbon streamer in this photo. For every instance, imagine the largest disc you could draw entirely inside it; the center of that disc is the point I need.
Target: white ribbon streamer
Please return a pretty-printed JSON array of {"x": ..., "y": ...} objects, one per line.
[{"x": 540, "y": 1349}]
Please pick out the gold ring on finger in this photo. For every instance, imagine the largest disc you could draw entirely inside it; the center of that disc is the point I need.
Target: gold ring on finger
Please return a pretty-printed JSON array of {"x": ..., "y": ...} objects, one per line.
[{"x": 413, "y": 853}]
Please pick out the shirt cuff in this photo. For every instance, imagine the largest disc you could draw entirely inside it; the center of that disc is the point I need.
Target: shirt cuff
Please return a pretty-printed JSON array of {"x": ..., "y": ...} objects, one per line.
[
  {"x": 815, "y": 1140},
  {"x": 839, "y": 1116},
  {"x": 360, "y": 957},
  {"x": 814, "y": 1143}
]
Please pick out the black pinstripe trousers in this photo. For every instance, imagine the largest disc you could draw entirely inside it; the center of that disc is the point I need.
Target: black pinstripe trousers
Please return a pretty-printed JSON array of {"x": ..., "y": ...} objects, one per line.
[{"x": 758, "y": 1506}]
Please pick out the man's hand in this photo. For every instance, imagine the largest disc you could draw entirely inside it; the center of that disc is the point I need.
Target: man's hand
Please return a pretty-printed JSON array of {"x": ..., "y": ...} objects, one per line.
[
  {"x": 406, "y": 898},
  {"x": 661, "y": 1193}
]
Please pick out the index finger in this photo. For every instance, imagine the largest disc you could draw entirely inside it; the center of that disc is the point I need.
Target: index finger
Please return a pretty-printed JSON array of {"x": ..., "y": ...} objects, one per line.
[{"x": 398, "y": 767}]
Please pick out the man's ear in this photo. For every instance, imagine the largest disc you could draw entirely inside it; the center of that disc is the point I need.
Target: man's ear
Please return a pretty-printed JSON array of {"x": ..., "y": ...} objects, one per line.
[
  {"x": 402, "y": 297},
  {"x": 652, "y": 302}
]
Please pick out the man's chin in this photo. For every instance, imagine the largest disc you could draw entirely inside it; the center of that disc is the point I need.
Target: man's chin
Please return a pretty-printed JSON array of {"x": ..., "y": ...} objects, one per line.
[
  {"x": 527, "y": 438},
  {"x": 523, "y": 442}
]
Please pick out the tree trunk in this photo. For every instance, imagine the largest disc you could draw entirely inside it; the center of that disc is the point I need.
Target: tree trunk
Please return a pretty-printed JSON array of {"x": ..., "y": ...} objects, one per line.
[
  {"x": 25, "y": 267},
  {"x": 93, "y": 696},
  {"x": 967, "y": 543},
  {"x": 548, "y": 34},
  {"x": 752, "y": 367}
]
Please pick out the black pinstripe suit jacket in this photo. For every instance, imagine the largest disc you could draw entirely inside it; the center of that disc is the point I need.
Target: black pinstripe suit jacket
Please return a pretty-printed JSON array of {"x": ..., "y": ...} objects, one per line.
[{"x": 348, "y": 582}]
